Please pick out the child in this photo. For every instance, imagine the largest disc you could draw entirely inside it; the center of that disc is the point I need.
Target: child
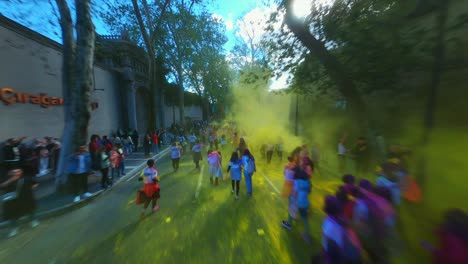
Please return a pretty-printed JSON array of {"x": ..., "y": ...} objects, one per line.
[
  {"x": 196, "y": 149},
  {"x": 115, "y": 160},
  {"x": 151, "y": 188},
  {"x": 175, "y": 155},
  {"x": 214, "y": 161},
  {"x": 122, "y": 159},
  {"x": 235, "y": 166}
]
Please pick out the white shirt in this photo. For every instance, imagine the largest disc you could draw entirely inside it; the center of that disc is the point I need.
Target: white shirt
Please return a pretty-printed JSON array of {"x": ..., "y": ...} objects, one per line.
[
  {"x": 175, "y": 152},
  {"x": 81, "y": 164},
  {"x": 341, "y": 149}
]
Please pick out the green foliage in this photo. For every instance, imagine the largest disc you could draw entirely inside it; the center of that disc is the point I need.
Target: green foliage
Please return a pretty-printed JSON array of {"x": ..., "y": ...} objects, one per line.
[
  {"x": 375, "y": 40},
  {"x": 188, "y": 41}
]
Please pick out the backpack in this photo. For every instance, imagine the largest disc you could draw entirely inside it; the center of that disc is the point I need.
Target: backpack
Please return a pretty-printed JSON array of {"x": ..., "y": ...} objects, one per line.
[{"x": 250, "y": 168}]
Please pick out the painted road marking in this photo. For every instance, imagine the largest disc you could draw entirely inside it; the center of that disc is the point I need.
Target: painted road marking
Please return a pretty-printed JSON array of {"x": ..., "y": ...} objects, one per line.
[
  {"x": 199, "y": 182},
  {"x": 269, "y": 182},
  {"x": 161, "y": 155}
]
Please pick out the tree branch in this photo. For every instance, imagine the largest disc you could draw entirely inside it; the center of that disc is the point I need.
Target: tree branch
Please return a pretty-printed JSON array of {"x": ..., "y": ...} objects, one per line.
[
  {"x": 158, "y": 25},
  {"x": 334, "y": 68}
]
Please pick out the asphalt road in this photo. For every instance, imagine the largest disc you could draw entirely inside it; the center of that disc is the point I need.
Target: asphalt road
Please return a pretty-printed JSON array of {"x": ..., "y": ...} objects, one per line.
[{"x": 197, "y": 223}]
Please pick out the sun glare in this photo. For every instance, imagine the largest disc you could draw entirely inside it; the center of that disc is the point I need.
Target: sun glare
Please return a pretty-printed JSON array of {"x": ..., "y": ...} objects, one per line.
[{"x": 301, "y": 8}]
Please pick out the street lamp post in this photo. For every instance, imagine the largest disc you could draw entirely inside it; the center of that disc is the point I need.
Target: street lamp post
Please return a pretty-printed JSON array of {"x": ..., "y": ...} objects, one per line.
[{"x": 296, "y": 128}]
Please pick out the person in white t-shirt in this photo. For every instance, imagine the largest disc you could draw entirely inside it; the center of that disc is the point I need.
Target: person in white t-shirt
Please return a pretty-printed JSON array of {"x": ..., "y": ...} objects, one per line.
[
  {"x": 342, "y": 153},
  {"x": 175, "y": 155}
]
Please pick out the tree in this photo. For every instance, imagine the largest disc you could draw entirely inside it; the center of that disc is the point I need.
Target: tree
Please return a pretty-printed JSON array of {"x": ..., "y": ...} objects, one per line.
[
  {"x": 333, "y": 66},
  {"x": 77, "y": 69},
  {"x": 150, "y": 41},
  {"x": 207, "y": 71},
  {"x": 143, "y": 20}
]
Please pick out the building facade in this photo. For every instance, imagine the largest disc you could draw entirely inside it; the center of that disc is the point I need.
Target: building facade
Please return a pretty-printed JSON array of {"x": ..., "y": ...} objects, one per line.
[{"x": 31, "y": 85}]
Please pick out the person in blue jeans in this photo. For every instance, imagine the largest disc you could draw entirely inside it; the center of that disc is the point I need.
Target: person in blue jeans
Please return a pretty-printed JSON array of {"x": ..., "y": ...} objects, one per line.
[
  {"x": 300, "y": 193},
  {"x": 235, "y": 167},
  {"x": 248, "y": 162}
]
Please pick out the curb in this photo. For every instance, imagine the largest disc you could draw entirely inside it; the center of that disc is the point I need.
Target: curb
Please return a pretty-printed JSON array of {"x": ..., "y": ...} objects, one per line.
[{"x": 72, "y": 206}]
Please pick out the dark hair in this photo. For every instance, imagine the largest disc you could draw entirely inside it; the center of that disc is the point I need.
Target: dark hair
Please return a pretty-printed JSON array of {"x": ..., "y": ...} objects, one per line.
[
  {"x": 150, "y": 163},
  {"x": 242, "y": 143},
  {"x": 210, "y": 151},
  {"x": 384, "y": 193},
  {"x": 332, "y": 206},
  {"x": 342, "y": 195},
  {"x": 365, "y": 184},
  {"x": 247, "y": 153},
  {"x": 290, "y": 159},
  {"x": 456, "y": 223},
  {"x": 234, "y": 156},
  {"x": 296, "y": 151},
  {"x": 356, "y": 192},
  {"x": 348, "y": 179}
]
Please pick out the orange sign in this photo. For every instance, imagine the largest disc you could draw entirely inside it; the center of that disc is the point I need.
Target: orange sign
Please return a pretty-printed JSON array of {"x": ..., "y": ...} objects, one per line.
[{"x": 9, "y": 97}]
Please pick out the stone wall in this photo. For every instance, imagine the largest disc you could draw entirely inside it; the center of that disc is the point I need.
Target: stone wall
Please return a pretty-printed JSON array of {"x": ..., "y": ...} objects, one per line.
[{"x": 32, "y": 64}]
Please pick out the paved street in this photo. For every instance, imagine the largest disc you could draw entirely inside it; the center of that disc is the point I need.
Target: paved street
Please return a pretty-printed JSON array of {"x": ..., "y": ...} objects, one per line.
[{"x": 197, "y": 223}]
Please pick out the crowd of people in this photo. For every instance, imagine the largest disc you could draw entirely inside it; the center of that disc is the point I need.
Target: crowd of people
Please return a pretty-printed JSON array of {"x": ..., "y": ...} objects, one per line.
[{"x": 360, "y": 225}]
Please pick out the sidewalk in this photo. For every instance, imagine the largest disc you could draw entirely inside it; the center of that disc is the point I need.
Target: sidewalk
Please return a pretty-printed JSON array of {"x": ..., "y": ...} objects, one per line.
[{"x": 50, "y": 203}]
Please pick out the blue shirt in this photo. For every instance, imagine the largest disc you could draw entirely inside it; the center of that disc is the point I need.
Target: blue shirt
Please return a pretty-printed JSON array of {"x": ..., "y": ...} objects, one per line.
[{"x": 302, "y": 189}]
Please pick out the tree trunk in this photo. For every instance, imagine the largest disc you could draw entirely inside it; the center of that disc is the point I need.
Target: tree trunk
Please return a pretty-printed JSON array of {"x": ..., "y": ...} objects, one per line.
[
  {"x": 68, "y": 57},
  {"x": 152, "y": 118},
  {"x": 81, "y": 104},
  {"x": 77, "y": 72},
  {"x": 431, "y": 104},
  {"x": 180, "y": 84}
]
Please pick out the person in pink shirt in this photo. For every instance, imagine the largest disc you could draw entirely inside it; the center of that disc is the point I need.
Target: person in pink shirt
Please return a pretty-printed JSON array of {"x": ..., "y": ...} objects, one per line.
[
  {"x": 214, "y": 161},
  {"x": 453, "y": 239},
  {"x": 115, "y": 160}
]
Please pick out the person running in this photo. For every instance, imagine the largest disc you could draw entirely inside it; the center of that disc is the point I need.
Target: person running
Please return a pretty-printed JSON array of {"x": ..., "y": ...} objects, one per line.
[
  {"x": 196, "y": 149},
  {"x": 300, "y": 193},
  {"x": 151, "y": 187},
  {"x": 175, "y": 155},
  {"x": 248, "y": 162},
  {"x": 339, "y": 242},
  {"x": 193, "y": 140},
  {"x": 288, "y": 177},
  {"x": 235, "y": 166},
  {"x": 23, "y": 204},
  {"x": 214, "y": 161}
]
